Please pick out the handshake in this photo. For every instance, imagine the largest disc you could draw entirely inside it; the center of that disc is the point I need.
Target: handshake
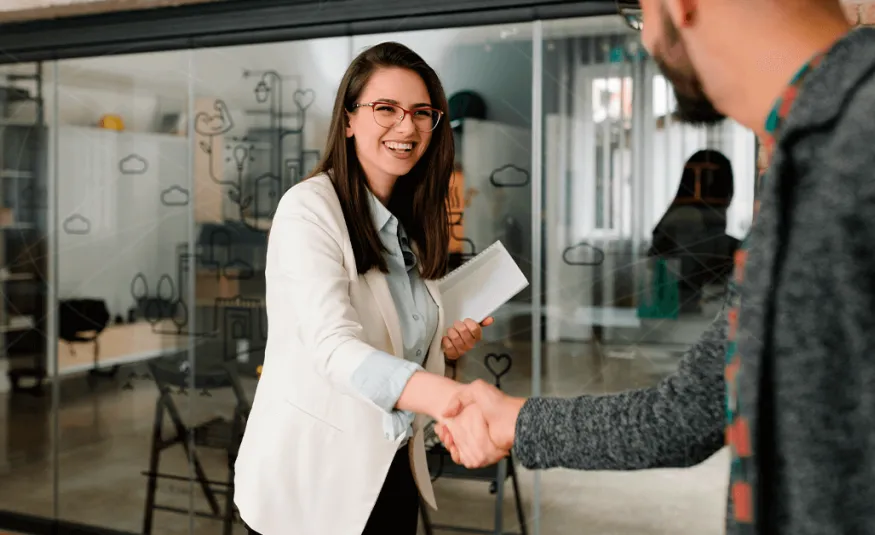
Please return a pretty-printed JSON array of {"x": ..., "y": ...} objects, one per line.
[{"x": 478, "y": 425}]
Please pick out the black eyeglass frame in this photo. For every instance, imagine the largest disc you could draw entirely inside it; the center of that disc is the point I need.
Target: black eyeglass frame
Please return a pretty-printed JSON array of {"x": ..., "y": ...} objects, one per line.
[{"x": 630, "y": 10}]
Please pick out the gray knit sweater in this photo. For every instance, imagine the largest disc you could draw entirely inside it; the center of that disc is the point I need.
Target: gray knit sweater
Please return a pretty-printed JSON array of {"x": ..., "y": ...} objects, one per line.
[
  {"x": 806, "y": 335},
  {"x": 678, "y": 423}
]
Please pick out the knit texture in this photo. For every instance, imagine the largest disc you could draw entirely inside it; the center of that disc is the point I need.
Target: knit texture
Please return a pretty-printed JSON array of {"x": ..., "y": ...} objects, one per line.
[{"x": 806, "y": 335}]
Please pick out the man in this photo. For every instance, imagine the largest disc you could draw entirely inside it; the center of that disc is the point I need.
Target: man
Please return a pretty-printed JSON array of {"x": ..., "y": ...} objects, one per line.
[{"x": 798, "y": 328}]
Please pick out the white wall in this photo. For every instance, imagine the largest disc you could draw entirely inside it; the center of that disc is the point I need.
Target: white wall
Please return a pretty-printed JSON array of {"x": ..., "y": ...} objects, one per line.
[
  {"x": 129, "y": 229},
  {"x": 141, "y": 87},
  {"x": 489, "y": 149},
  {"x": 672, "y": 147},
  {"x": 114, "y": 224}
]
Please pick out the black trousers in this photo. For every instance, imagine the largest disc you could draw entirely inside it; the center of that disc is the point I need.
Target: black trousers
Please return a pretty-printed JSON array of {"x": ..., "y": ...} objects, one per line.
[{"x": 397, "y": 509}]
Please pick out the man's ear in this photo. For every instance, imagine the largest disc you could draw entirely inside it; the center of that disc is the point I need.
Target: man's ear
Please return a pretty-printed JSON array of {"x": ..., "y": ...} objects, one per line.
[{"x": 682, "y": 12}]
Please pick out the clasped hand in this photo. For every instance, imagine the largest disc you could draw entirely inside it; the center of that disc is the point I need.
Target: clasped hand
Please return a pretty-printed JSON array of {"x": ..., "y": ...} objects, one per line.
[{"x": 477, "y": 428}]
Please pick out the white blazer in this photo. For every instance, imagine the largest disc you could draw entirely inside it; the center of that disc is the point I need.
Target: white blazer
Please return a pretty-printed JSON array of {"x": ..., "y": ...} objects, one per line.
[{"x": 314, "y": 455}]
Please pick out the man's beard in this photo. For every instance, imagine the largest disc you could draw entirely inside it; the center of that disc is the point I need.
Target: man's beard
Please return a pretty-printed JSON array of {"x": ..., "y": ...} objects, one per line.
[{"x": 693, "y": 105}]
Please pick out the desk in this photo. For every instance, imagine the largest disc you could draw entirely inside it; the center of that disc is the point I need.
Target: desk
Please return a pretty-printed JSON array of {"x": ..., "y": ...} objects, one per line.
[{"x": 120, "y": 344}]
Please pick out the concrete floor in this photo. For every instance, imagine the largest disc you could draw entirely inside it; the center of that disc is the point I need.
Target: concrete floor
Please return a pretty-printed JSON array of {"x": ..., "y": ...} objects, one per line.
[{"x": 104, "y": 444}]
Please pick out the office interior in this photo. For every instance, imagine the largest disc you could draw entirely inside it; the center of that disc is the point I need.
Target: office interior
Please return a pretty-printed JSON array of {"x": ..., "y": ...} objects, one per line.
[{"x": 137, "y": 192}]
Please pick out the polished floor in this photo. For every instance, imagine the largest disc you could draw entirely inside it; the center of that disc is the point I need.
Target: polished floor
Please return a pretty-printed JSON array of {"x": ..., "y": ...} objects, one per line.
[{"x": 104, "y": 431}]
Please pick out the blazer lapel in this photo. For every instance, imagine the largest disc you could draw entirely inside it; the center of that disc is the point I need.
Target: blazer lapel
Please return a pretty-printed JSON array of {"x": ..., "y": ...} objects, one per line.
[
  {"x": 380, "y": 288},
  {"x": 435, "y": 362}
]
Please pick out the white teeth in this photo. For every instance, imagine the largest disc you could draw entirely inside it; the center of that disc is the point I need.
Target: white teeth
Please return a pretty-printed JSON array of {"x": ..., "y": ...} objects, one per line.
[{"x": 399, "y": 146}]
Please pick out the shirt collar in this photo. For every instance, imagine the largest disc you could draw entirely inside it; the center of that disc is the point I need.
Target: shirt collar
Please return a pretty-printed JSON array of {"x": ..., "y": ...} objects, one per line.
[
  {"x": 782, "y": 106},
  {"x": 837, "y": 78},
  {"x": 382, "y": 217}
]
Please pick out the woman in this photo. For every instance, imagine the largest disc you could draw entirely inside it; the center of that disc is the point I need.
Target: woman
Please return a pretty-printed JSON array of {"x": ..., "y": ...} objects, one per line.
[{"x": 355, "y": 347}]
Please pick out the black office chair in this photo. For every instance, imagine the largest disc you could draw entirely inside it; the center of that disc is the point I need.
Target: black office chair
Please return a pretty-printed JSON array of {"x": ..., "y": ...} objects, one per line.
[
  {"x": 693, "y": 228},
  {"x": 172, "y": 374},
  {"x": 440, "y": 464}
]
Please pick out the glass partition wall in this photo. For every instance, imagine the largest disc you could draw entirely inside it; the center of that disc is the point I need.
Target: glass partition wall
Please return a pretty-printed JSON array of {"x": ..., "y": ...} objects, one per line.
[
  {"x": 27, "y": 456},
  {"x": 487, "y": 75},
  {"x": 642, "y": 215},
  {"x": 137, "y": 195}
]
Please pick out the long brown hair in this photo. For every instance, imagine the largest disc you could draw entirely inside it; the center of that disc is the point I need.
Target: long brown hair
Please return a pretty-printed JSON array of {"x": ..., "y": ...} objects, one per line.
[{"x": 419, "y": 200}]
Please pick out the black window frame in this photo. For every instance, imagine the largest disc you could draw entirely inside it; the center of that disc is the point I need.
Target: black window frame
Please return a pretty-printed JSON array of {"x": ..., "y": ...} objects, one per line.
[{"x": 238, "y": 22}]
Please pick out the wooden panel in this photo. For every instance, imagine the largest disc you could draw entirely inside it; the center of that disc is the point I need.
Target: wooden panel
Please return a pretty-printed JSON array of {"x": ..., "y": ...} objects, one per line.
[
  {"x": 456, "y": 209},
  {"x": 212, "y": 121},
  {"x": 7, "y": 217},
  {"x": 210, "y": 285}
]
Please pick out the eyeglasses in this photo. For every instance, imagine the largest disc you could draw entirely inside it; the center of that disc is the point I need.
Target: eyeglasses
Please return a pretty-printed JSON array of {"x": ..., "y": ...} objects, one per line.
[
  {"x": 630, "y": 10},
  {"x": 389, "y": 114}
]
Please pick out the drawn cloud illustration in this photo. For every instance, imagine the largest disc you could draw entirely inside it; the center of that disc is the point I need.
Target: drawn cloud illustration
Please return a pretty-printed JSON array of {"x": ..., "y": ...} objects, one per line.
[
  {"x": 133, "y": 164},
  {"x": 583, "y": 254},
  {"x": 77, "y": 224},
  {"x": 509, "y": 176},
  {"x": 174, "y": 196}
]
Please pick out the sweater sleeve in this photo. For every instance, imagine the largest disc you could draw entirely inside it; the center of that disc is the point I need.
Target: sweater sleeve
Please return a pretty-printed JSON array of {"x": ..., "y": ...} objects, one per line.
[{"x": 677, "y": 423}]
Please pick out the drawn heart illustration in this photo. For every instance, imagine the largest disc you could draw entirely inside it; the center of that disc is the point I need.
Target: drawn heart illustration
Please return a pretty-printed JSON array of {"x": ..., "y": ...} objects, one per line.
[
  {"x": 497, "y": 364},
  {"x": 304, "y": 98}
]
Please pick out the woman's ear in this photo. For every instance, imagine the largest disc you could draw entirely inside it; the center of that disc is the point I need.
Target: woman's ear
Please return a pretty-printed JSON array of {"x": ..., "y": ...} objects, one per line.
[{"x": 346, "y": 118}]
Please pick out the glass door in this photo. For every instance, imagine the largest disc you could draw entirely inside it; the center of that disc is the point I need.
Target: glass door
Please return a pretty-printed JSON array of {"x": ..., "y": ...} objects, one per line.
[{"x": 640, "y": 216}]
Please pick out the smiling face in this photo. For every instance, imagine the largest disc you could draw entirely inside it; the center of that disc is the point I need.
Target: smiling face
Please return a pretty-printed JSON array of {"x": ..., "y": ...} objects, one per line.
[{"x": 386, "y": 147}]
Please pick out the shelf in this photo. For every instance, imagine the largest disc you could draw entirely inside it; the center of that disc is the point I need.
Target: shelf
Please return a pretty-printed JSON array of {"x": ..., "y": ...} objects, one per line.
[
  {"x": 17, "y": 323},
  {"x": 18, "y": 124},
  {"x": 14, "y": 277},
  {"x": 24, "y": 147},
  {"x": 15, "y": 173}
]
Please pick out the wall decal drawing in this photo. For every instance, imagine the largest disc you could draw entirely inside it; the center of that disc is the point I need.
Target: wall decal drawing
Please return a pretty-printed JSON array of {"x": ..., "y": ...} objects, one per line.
[
  {"x": 77, "y": 224},
  {"x": 175, "y": 196},
  {"x": 133, "y": 164},
  {"x": 259, "y": 168},
  {"x": 509, "y": 176}
]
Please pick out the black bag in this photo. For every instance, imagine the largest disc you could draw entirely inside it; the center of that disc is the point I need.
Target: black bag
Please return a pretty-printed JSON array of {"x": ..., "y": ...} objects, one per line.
[{"x": 79, "y": 316}]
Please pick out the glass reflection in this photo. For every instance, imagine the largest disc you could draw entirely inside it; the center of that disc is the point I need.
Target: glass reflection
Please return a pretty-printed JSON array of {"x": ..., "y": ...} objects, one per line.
[
  {"x": 165, "y": 202},
  {"x": 642, "y": 215},
  {"x": 26, "y": 442}
]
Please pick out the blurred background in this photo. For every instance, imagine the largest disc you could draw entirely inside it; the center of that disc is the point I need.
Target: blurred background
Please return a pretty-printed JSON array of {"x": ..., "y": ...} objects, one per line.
[{"x": 143, "y": 149}]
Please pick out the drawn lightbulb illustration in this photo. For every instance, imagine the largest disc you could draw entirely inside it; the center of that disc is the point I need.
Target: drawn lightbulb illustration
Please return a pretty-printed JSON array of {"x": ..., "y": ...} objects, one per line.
[{"x": 241, "y": 154}]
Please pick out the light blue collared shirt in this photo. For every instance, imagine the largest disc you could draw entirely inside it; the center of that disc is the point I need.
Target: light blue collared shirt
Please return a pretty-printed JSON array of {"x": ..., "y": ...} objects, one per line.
[{"x": 382, "y": 377}]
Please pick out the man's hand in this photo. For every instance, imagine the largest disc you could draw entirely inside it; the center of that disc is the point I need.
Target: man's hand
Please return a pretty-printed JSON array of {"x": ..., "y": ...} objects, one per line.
[
  {"x": 463, "y": 336},
  {"x": 499, "y": 410},
  {"x": 472, "y": 447}
]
